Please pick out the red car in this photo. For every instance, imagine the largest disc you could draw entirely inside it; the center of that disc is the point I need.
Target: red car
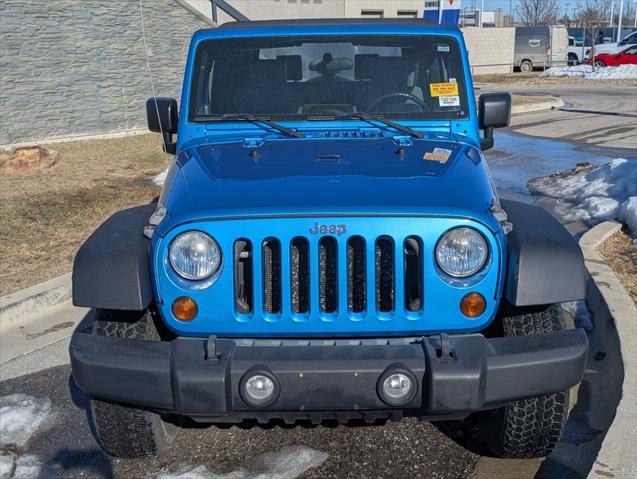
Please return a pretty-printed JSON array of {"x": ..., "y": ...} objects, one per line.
[{"x": 628, "y": 56}]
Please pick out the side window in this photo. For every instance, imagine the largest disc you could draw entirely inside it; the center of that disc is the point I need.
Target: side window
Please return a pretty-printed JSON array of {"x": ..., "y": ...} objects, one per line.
[
  {"x": 631, "y": 51},
  {"x": 632, "y": 38}
]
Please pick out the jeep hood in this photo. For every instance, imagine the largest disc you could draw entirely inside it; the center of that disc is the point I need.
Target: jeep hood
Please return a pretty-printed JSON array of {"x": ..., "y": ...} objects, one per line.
[{"x": 325, "y": 177}]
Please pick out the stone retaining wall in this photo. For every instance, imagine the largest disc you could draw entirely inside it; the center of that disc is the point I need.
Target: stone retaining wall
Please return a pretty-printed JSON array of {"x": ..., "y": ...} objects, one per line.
[{"x": 73, "y": 68}]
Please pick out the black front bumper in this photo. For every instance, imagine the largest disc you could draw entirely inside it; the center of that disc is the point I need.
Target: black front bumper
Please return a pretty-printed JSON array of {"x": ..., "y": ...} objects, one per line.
[{"x": 320, "y": 379}]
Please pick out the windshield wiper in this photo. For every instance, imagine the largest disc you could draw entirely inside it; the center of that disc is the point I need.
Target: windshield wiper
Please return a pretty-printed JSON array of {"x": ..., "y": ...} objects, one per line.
[
  {"x": 257, "y": 121},
  {"x": 372, "y": 118}
]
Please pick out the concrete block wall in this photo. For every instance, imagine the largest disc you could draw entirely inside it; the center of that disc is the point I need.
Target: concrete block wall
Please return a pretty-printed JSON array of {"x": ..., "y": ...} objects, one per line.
[
  {"x": 71, "y": 68},
  {"x": 281, "y": 9},
  {"x": 490, "y": 49}
]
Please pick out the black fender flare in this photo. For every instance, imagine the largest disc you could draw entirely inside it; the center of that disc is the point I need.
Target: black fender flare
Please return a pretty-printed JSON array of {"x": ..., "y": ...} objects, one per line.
[
  {"x": 112, "y": 268},
  {"x": 545, "y": 264}
]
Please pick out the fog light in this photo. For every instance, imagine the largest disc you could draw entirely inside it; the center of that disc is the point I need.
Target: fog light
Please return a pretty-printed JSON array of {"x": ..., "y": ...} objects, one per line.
[
  {"x": 184, "y": 308},
  {"x": 473, "y": 305},
  {"x": 397, "y": 387},
  {"x": 259, "y": 389}
]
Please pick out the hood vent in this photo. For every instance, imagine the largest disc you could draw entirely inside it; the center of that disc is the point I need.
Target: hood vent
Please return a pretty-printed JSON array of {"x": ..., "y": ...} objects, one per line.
[{"x": 352, "y": 133}]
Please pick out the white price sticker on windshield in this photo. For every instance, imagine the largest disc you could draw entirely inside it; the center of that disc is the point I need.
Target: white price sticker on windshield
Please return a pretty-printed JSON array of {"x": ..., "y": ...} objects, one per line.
[{"x": 449, "y": 100}]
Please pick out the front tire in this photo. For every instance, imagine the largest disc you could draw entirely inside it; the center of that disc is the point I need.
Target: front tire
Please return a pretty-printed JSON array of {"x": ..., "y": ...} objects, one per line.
[
  {"x": 526, "y": 66},
  {"x": 572, "y": 60},
  {"x": 120, "y": 430},
  {"x": 531, "y": 427}
]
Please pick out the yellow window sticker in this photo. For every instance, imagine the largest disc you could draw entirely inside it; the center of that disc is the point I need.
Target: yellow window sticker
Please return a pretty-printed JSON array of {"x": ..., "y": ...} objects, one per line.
[{"x": 443, "y": 89}]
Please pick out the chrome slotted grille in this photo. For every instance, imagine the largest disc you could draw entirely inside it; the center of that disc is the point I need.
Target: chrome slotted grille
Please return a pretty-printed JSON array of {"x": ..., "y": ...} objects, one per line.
[{"x": 352, "y": 274}]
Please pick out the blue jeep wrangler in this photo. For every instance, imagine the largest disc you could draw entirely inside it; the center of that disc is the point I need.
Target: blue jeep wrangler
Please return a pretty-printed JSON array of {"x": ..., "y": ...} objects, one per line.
[{"x": 328, "y": 246}]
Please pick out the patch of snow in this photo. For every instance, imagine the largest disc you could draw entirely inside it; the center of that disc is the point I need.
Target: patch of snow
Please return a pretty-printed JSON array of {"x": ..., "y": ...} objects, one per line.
[
  {"x": 628, "y": 213},
  {"x": 31, "y": 467},
  {"x": 21, "y": 416},
  {"x": 581, "y": 315},
  {"x": 158, "y": 180},
  {"x": 198, "y": 472},
  {"x": 288, "y": 463},
  {"x": 591, "y": 193},
  {"x": 622, "y": 72},
  {"x": 7, "y": 465}
]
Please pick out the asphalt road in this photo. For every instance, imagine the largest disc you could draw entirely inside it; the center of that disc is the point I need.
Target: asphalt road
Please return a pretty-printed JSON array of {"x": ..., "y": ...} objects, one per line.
[
  {"x": 604, "y": 116},
  {"x": 405, "y": 449}
]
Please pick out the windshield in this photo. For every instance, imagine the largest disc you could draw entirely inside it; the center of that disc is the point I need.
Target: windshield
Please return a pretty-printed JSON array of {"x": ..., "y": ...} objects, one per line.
[{"x": 303, "y": 77}]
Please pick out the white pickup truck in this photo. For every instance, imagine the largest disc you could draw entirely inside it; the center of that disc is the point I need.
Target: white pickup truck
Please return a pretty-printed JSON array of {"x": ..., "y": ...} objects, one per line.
[
  {"x": 577, "y": 52},
  {"x": 616, "y": 47}
]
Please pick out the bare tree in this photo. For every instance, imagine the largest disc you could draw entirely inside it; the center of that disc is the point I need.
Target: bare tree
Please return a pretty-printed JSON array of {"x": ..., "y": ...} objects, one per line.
[
  {"x": 535, "y": 13},
  {"x": 593, "y": 15}
]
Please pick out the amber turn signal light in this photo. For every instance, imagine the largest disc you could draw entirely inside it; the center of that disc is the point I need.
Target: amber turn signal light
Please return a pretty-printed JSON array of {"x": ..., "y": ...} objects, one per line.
[
  {"x": 473, "y": 305},
  {"x": 184, "y": 308}
]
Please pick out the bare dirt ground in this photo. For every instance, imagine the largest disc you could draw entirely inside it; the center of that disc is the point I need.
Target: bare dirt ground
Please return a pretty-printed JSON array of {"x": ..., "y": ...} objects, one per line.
[
  {"x": 621, "y": 255},
  {"x": 535, "y": 79},
  {"x": 46, "y": 215}
]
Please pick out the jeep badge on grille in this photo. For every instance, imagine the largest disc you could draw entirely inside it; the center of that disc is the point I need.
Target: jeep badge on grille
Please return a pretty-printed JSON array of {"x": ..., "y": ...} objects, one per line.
[{"x": 331, "y": 229}]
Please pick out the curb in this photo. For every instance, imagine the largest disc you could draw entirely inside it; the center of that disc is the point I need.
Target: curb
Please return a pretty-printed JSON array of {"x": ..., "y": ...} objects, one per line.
[
  {"x": 554, "y": 103},
  {"x": 28, "y": 303},
  {"x": 608, "y": 301}
]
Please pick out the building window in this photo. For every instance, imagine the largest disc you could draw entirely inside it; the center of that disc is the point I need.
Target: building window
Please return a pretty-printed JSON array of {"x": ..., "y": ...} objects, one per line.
[
  {"x": 372, "y": 13},
  {"x": 407, "y": 13}
]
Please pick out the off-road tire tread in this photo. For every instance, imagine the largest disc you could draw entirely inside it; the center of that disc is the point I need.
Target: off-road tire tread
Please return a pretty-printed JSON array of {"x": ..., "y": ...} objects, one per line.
[
  {"x": 129, "y": 432},
  {"x": 532, "y": 427},
  {"x": 124, "y": 431}
]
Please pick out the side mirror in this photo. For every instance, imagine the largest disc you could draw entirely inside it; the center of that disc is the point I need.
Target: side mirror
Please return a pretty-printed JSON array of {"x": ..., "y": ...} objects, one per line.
[
  {"x": 162, "y": 117},
  {"x": 494, "y": 111}
]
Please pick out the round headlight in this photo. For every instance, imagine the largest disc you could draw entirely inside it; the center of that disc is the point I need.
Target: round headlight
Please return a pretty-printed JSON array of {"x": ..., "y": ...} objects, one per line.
[
  {"x": 461, "y": 252},
  {"x": 194, "y": 255}
]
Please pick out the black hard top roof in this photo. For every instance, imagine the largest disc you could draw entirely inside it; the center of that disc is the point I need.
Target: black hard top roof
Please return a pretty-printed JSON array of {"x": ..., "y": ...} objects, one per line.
[{"x": 329, "y": 22}]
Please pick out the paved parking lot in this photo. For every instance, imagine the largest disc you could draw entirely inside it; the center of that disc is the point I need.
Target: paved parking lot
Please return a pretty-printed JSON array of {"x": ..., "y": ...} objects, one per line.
[
  {"x": 406, "y": 449},
  {"x": 596, "y": 115}
]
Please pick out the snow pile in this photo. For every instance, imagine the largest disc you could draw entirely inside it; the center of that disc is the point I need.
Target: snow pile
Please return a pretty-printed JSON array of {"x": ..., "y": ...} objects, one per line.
[
  {"x": 289, "y": 463},
  {"x": 20, "y": 417},
  {"x": 591, "y": 193},
  {"x": 158, "y": 180},
  {"x": 622, "y": 72},
  {"x": 31, "y": 466},
  {"x": 7, "y": 465}
]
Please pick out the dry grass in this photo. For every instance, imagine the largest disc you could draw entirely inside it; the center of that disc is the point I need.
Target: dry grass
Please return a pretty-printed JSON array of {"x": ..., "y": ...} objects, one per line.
[
  {"x": 504, "y": 77},
  {"x": 47, "y": 215},
  {"x": 527, "y": 79},
  {"x": 621, "y": 255}
]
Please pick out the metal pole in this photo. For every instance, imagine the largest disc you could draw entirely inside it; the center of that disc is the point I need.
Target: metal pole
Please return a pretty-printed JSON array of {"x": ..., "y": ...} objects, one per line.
[
  {"x": 583, "y": 42},
  {"x": 440, "y": 6},
  {"x": 612, "y": 13},
  {"x": 481, "y": 10},
  {"x": 619, "y": 23}
]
